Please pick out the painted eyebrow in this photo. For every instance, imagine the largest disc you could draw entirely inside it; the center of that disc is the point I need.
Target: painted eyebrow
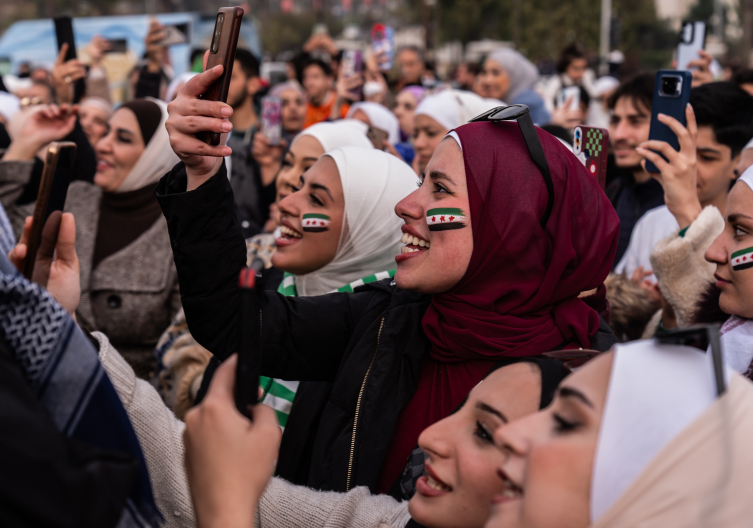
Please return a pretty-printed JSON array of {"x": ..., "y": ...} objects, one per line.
[
  {"x": 437, "y": 175},
  {"x": 569, "y": 392},
  {"x": 481, "y": 406},
  {"x": 735, "y": 217},
  {"x": 323, "y": 188}
]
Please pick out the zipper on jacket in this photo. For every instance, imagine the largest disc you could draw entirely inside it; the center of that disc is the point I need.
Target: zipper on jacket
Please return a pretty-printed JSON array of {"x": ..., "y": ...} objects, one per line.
[{"x": 358, "y": 409}]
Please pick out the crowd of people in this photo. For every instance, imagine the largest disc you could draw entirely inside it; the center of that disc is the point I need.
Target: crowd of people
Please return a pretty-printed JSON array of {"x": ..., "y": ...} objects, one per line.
[{"x": 456, "y": 324}]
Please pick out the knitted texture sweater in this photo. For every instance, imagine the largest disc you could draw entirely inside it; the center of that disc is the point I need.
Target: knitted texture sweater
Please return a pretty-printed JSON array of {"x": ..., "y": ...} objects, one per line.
[{"x": 282, "y": 504}]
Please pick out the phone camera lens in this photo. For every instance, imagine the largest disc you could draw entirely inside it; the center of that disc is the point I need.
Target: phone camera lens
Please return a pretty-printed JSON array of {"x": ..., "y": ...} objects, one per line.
[{"x": 669, "y": 85}]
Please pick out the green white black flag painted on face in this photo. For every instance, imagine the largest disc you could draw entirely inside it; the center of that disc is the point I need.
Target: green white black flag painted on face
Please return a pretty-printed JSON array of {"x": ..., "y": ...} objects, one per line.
[
  {"x": 742, "y": 259},
  {"x": 315, "y": 223},
  {"x": 446, "y": 218}
]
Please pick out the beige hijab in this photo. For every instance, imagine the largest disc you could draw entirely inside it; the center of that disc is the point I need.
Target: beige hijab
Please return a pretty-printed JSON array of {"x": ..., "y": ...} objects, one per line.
[{"x": 700, "y": 478}]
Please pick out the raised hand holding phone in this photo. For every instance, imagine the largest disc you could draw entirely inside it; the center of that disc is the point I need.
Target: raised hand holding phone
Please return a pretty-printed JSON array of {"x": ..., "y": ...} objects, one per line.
[
  {"x": 678, "y": 169},
  {"x": 50, "y": 123}
]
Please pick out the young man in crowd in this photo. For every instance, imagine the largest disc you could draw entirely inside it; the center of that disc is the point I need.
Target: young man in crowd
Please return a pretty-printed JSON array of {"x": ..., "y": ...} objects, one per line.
[
  {"x": 410, "y": 60},
  {"x": 244, "y": 84},
  {"x": 631, "y": 189},
  {"x": 317, "y": 81},
  {"x": 724, "y": 119}
]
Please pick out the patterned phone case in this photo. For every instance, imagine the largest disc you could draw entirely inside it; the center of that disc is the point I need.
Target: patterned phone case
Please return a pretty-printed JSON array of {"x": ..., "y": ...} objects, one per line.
[{"x": 591, "y": 145}]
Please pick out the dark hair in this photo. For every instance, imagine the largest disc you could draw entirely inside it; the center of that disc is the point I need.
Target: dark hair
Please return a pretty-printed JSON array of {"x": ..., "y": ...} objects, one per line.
[
  {"x": 414, "y": 49},
  {"x": 744, "y": 77},
  {"x": 728, "y": 109},
  {"x": 248, "y": 62},
  {"x": 321, "y": 64},
  {"x": 569, "y": 54},
  {"x": 473, "y": 68},
  {"x": 559, "y": 132},
  {"x": 639, "y": 89}
]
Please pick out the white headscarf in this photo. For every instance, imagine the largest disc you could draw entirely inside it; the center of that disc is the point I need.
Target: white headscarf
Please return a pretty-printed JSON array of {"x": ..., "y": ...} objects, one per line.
[
  {"x": 452, "y": 108},
  {"x": 177, "y": 83},
  {"x": 9, "y": 105},
  {"x": 523, "y": 73},
  {"x": 343, "y": 133},
  {"x": 156, "y": 160},
  {"x": 381, "y": 117},
  {"x": 373, "y": 183},
  {"x": 97, "y": 102},
  {"x": 654, "y": 393}
]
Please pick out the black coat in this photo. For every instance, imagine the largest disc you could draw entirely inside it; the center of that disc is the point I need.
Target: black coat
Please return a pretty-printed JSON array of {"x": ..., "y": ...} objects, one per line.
[{"x": 368, "y": 344}]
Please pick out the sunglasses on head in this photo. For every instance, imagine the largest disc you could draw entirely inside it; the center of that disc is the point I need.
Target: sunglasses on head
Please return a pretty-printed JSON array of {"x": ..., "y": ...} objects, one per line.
[{"x": 520, "y": 113}]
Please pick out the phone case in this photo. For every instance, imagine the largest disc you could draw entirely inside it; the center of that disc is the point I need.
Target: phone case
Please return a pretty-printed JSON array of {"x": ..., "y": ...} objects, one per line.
[
  {"x": 352, "y": 62},
  {"x": 222, "y": 51},
  {"x": 671, "y": 105},
  {"x": 591, "y": 145},
  {"x": 53, "y": 189},
  {"x": 271, "y": 119},
  {"x": 383, "y": 41},
  {"x": 692, "y": 40},
  {"x": 64, "y": 34}
]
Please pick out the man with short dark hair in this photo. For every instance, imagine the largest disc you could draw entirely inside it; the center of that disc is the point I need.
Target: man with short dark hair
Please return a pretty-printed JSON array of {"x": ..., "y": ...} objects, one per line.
[
  {"x": 244, "y": 84},
  {"x": 410, "y": 60},
  {"x": 317, "y": 81},
  {"x": 723, "y": 113},
  {"x": 631, "y": 189}
]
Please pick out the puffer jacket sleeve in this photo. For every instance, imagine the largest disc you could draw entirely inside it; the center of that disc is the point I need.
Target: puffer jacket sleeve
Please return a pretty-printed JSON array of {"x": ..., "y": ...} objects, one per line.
[
  {"x": 680, "y": 267},
  {"x": 14, "y": 175},
  {"x": 160, "y": 434}
]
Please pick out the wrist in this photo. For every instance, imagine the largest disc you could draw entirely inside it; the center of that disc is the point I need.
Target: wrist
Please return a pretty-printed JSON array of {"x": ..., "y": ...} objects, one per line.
[
  {"x": 686, "y": 214},
  {"x": 21, "y": 151}
]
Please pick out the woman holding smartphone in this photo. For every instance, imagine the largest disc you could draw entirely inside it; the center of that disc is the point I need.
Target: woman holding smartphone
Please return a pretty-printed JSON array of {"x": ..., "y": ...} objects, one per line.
[{"x": 485, "y": 281}]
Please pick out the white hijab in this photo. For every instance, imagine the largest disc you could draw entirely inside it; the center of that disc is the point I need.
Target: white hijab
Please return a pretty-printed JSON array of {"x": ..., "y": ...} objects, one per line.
[
  {"x": 381, "y": 117},
  {"x": 654, "y": 393},
  {"x": 343, "y": 133},
  {"x": 373, "y": 183},
  {"x": 156, "y": 160},
  {"x": 9, "y": 105},
  {"x": 452, "y": 108}
]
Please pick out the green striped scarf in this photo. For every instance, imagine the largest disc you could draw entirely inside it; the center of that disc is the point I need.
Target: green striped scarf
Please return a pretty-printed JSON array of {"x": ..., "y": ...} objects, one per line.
[{"x": 279, "y": 394}]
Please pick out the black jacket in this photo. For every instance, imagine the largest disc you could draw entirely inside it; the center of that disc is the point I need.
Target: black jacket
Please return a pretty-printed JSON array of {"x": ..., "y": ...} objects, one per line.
[{"x": 369, "y": 344}]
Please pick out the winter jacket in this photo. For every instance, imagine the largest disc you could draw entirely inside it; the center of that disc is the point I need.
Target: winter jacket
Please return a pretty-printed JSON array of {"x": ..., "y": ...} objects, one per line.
[
  {"x": 131, "y": 295},
  {"x": 369, "y": 344},
  {"x": 282, "y": 504}
]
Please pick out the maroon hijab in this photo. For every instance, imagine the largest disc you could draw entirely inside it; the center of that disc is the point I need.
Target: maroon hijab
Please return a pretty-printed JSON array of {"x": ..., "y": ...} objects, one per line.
[{"x": 519, "y": 295}]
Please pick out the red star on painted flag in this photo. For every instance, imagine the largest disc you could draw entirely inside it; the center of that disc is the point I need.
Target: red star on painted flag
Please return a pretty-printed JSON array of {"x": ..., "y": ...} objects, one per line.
[
  {"x": 441, "y": 218},
  {"x": 452, "y": 218},
  {"x": 433, "y": 218},
  {"x": 321, "y": 223}
]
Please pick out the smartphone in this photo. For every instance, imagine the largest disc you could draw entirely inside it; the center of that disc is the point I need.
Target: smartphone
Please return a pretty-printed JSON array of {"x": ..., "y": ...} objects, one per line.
[
  {"x": 566, "y": 93},
  {"x": 320, "y": 29},
  {"x": 671, "y": 97},
  {"x": 64, "y": 34},
  {"x": 222, "y": 51},
  {"x": 53, "y": 188},
  {"x": 249, "y": 353},
  {"x": 692, "y": 40},
  {"x": 383, "y": 41},
  {"x": 591, "y": 146},
  {"x": 117, "y": 46},
  {"x": 352, "y": 64},
  {"x": 175, "y": 34},
  {"x": 271, "y": 119},
  {"x": 377, "y": 137}
]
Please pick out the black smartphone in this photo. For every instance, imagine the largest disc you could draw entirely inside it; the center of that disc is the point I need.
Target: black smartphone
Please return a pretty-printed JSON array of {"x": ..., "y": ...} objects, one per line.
[
  {"x": 671, "y": 97},
  {"x": 249, "y": 353},
  {"x": 117, "y": 46},
  {"x": 56, "y": 175},
  {"x": 64, "y": 33},
  {"x": 227, "y": 27}
]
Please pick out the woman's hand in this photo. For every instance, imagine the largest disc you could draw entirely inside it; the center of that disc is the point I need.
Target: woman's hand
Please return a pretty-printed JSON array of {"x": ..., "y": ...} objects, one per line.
[
  {"x": 189, "y": 115},
  {"x": 702, "y": 72},
  {"x": 98, "y": 46},
  {"x": 678, "y": 174},
  {"x": 156, "y": 53},
  {"x": 61, "y": 276},
  {"x": 65, "y": 74},
  {"x": 51, "y": 123},
  {"x": 229, "y": 459},
  {"x": 566, "y": 117}
]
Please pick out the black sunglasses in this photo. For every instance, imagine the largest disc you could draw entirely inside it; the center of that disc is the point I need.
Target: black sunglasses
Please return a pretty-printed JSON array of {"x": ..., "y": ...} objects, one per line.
[{"x": 520, "y": 113}]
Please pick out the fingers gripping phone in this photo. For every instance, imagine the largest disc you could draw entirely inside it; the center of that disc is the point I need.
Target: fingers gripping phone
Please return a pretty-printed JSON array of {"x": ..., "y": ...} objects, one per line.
[
  {"x": 671, "y": 97},
  {"x": 692, "y": 40},
  {"x": 64, "y": 34},
  {"x": 48, "y": 210},
  {"x": 222, "y": 52},
  {"x": 591, "y": 146}
]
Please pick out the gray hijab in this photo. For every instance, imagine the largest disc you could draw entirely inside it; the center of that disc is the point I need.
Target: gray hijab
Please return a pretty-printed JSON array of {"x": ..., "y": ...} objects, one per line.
[{"x": 522, "y": 72}]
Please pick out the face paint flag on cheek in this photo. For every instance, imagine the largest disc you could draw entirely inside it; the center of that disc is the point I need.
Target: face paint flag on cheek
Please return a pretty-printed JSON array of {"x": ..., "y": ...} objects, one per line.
[
  {"x": 315, "y": 223},
  {"x": 742, "y": 259},
  {"x": 445, "y": 218}
]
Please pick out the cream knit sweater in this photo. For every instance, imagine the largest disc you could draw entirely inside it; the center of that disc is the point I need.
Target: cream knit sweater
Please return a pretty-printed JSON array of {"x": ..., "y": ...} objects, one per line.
[{"x": 282, "y": 504}]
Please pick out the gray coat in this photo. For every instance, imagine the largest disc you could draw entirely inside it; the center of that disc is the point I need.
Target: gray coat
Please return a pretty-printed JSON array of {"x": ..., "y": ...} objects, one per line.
[{"x": 133, "y": 294}]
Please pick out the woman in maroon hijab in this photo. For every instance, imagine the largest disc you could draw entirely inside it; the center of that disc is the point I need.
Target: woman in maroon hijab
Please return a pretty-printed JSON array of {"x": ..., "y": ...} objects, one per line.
[{"x": 478, "y": 279}]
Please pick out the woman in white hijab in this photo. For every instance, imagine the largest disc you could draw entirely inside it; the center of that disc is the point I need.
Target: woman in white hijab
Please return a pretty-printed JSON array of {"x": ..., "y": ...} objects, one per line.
[
  {"x": 637, "y": 437},
  {"x": 377, "y": 116},
  {"x": 128, "y": 279},
  {"x": 508, "y": 75},
  {"x": 440, "y": 112}
]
